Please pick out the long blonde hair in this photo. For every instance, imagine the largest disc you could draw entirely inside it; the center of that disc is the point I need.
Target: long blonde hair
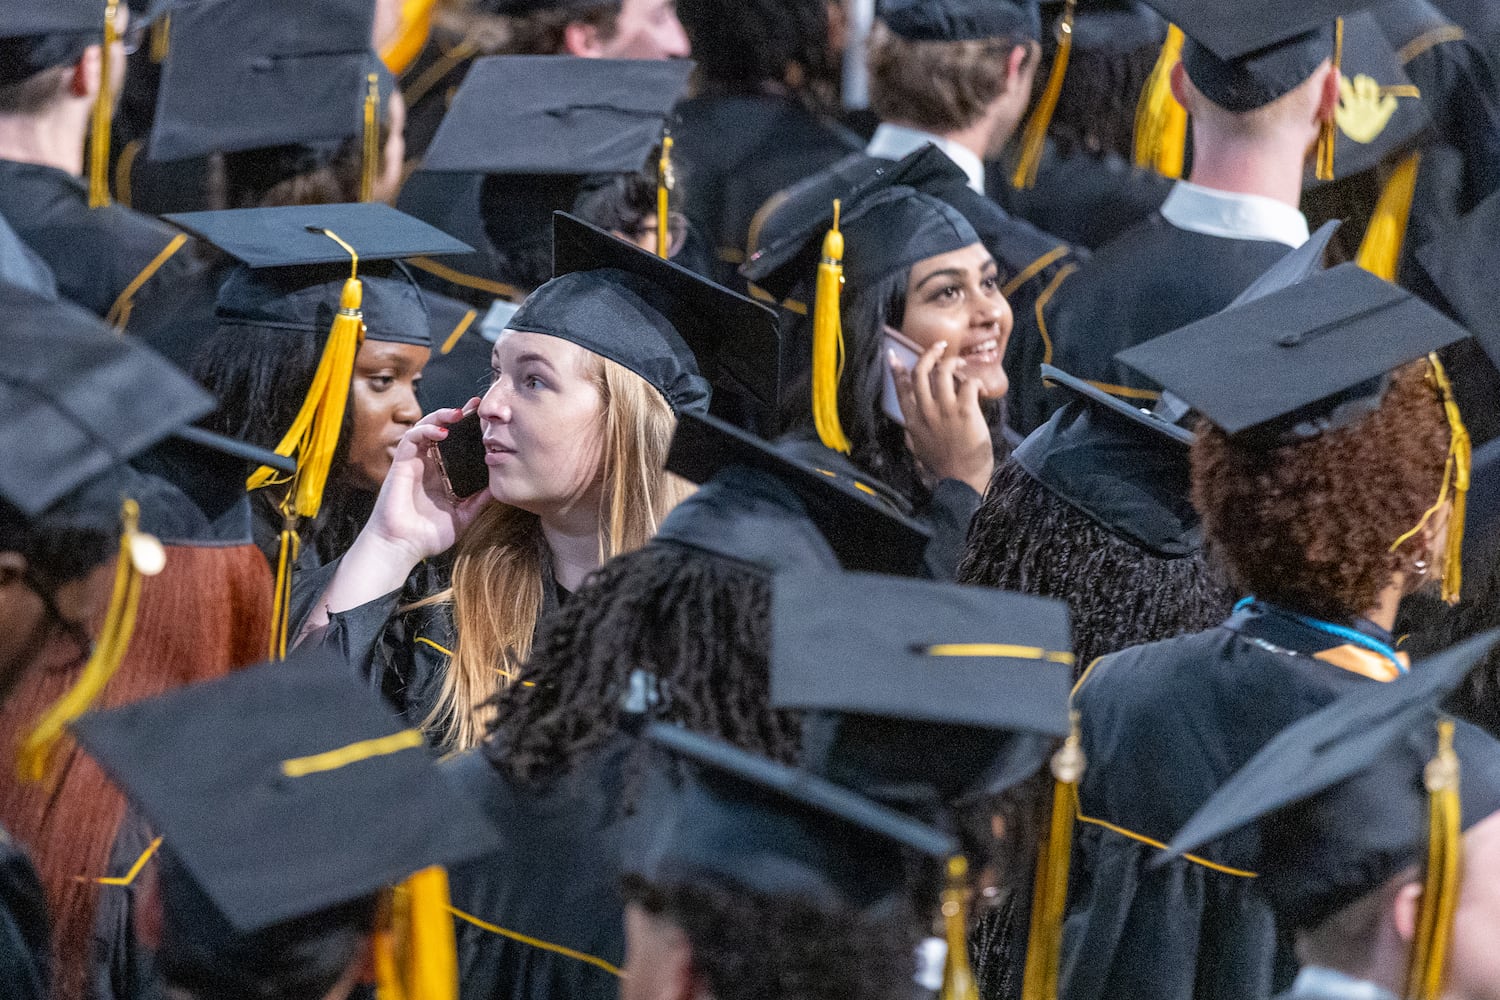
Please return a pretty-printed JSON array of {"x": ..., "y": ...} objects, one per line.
[{"x": 498, "y": 570}]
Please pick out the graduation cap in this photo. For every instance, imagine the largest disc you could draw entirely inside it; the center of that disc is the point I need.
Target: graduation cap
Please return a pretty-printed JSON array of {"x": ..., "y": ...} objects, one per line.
[
  {"x": 557, "y": 115},
  {"x": 961, "y": 20},
  {"x": 285, "y": 789},
  {"x": 1457, "y": 264},
  {"x": 1350, "y": 796},
  {"x": 1124, "y": 468},
  {"x": 749, "y": 823},
  {"x": 256, "y": 74},
  {"x": 761, "y": 504},
  {"x": 38, "y": 36},
  {"x": 672, "y": 327},
  {"x": 1113, "y": 25}
]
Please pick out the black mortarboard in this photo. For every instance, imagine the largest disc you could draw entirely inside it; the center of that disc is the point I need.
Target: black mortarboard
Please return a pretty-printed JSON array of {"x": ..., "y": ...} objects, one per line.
[
  {"x": 79, "y": 401},
  {"x": 1113, "y": 25},
  {"x": 557, "y": 115},
  {"x": 35, "y": 36},
  {"x": 1339, "y": 798},
  {"x": 1244, "y": 58},
  {"x": 759, "y": 504},
  {"x": 285, "y": 789},
  {"x": 1122, "y": 467},
  {"x": 749, "y": 823},
  {"x": 887, "y": 224},
  {"x": 294, "y": 273},
  {"x": 1460, "y": 265},
  {"x": 961, "y": 20},
  {"x": 672, "y": 327},
  {"x": 1299, "y": 361},
  {"x": 253, "y": 74},
  {"x": 930, "y": 692}
]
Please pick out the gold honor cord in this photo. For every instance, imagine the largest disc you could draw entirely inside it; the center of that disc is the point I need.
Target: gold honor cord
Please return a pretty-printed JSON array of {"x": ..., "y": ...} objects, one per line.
[
  {"x": 1429, "y": 946},
  {"x": 1161, "y": 122},
  {"x": 370, "y": 164},
  {"x": 140, "y": 556},
  {"x": 1328, "y": 131},
  {"x": 1050, "y": 891},
  {"x": 666, "y": 180},
  {"x": 958, "y": 978},
  {"x": 104, "y": 110},
  {"x": 828, "y": 340},
  {"x": 998, "y": 650},
  {"x": 415, "y": 947},
  {"x": 1456, "y": 475},
  {"x": 1034, "y": 139}
]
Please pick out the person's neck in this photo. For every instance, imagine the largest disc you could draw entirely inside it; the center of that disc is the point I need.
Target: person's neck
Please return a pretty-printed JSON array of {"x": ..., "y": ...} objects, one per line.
[
  {"x": 50, "y": 140},
  {"x": 1384, "y": 611},
  {"x": 574, "y": 543},
  {"x": 1268, "y": 168}
]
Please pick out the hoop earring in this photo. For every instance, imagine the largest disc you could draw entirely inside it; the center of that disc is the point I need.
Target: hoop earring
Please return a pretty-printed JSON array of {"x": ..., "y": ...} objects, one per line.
[{"x": 1419, "y": 567}]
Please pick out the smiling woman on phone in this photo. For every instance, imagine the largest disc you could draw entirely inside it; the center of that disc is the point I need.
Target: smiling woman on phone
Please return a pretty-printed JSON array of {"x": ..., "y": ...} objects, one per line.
[{"x": 439, "y": 598}]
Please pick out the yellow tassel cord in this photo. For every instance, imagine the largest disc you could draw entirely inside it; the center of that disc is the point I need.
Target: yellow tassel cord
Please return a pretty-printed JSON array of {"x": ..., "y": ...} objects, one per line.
[
  {"x": 314, "y": 436},
  {"x": 1035, "y": 137},
  {"x": 828, "y": 340},
  {"x": 1380, "y": 251},
  {"x": 1429, "y": 947},
  {"x": 1161, "y": 122},
  {"x": 958, "y": 978},
  {"x": 370, "y": 164},
  {"x": 161, "y": 39},
  {"x": 1328, "y": 132},
  {"x": 104, "y": 111},
  {"x": 666, "y": 180},
  {"x": 411, "y": 37},
  {"x": 141, "y": 555},
  {"x": 416, "y": 956},
  {"x": 1455, "y": 487},
  {"x": 1050, "y": 892}
]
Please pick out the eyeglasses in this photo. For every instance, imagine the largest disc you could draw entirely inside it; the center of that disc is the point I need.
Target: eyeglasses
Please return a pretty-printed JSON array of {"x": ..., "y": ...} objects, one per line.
[{"x": 74, "y": 631}]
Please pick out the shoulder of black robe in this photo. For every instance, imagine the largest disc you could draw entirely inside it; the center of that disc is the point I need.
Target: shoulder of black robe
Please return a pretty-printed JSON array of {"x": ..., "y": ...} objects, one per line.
[
  {"x": 1151, "y": 280},
  {"x": 20, "y": 267},
  {"x": 734, "y": 153},
  {"x": 97, "y": 255},
  {"x": 25, "y": 947},
  {"x": 178, "y": 333},
  {"x": 1163, "y": 726},
  {"x": 1082, "y": 198},
  {"x": 555, "y": 880}
]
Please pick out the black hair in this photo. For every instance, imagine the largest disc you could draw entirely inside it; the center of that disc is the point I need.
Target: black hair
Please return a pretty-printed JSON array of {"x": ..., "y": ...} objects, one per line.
[
  {"x": 699, "y": 622},
  {"x": 64, "y": 543},
  {"x": 749, "y": 946},
  {"x": 516, "y": 210},
  {"x": 1026, "y": 539},
  {"x": 878, "y": 442},
  {"x": 1096, "y": 108},
  {"x": 765, "y": 45}
]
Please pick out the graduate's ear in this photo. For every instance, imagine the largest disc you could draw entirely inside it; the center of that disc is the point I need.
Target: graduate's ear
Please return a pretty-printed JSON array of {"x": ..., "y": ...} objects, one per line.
[
  {"x": 1404, "y": 910},
  {"x": 83, "y": 79},
  {"x": 1180, "y": 85},
  {"x": 581, "y": 39},
  {"x": 1328, "y": 100}
]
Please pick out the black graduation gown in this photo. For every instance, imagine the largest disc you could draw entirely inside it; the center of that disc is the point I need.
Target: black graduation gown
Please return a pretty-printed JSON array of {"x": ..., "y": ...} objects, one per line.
[
  {"x": 1151, "y": 280},
  {"x": 458, "y": 370},
  {"x": 733, "y": 153},
  {"x": 1164, "y": 725},
  {"x": 98, "y": 254},
  {"x": 555, "y": 880},
  {"x": 25, "y": 950},
  {"x": 20, "y": 267},
  {"x": 1083, "y": 198}
]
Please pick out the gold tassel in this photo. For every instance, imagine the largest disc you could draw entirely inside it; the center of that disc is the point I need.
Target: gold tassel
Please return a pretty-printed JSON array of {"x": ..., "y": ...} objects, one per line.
[
  {"x": 370, "y": 164},
  {"x": 1456, "y": 474},
  {"x": 281, "y": 604},
  {"x": 958, "y": 978},
  {"x": 141, "y": 555},
  {"x": 416, "y": 955},
  {"x": 1429, "y": 946},
  {"x": 1050, "y": 892},
  {"x": 1161, "y": 122},
  {"x": 1380, "y": 251},
  {"x": 1035, "y": 137},
  {"x": 1327, "y": 133},
  {"x": 411, "y": 37},
  {"x": 161, "y": 38},
  {"x": 828, "y": 340},
  {"x": 104, "y": 111},
  {"x": 666, "y": 180}
]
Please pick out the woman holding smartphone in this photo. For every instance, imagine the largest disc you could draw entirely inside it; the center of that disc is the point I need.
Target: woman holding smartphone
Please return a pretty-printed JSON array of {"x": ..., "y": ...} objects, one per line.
[
  {"x": 920, "y": 399},
  {"x": 439, "y": 598}
]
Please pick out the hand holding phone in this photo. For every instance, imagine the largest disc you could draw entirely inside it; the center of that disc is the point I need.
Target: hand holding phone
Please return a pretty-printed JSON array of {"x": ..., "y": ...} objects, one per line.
[{"x": 462, "y": 454}]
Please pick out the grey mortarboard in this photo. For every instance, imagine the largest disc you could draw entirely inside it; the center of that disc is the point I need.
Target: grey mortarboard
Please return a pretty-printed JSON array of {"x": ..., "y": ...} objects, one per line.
[
  {"x": 748, "y": 823},
  {"x": 758, "y": 503},
  {"x": 1460, "y": 265},
  {"x": 941, "y": 694},
  {"x": 36, "y": 36},
  {"x": 285, "y": 789},
  {"x": 1244, "y": 57},
  {"x": 961, "y": 20},
  {"x": 673, "y": 328},
  {"x": 1338, "y": 799}
]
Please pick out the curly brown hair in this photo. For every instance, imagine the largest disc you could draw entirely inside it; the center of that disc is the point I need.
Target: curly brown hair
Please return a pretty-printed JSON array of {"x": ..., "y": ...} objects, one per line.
[{"x": 1310, "y": 524}]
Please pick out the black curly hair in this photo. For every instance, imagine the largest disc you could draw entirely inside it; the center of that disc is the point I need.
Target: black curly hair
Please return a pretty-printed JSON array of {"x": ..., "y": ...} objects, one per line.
[
  {"x": 748, "y": 946},
  {"x": 781, "y": 45},
  {"x": 699, "y": 622}
]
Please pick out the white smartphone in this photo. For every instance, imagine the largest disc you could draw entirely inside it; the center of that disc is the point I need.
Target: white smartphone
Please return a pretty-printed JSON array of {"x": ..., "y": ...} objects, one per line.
[{"x": 902, "y": 347}]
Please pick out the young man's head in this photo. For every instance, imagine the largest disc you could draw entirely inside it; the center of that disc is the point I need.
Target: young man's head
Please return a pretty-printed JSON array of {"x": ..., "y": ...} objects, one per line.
[
  {"x": 1292, "y": 119},
  {"x": 776, "y": 46},
  {"x": 610, "y": 29}
]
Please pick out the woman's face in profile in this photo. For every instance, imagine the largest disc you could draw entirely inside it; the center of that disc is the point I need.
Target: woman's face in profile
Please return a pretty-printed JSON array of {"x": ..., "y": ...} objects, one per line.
[{"x": 955, "y": 297}]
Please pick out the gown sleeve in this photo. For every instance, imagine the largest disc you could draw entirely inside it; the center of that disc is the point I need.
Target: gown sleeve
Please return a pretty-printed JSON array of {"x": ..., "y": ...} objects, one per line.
[{"x": 949, "y": 512}]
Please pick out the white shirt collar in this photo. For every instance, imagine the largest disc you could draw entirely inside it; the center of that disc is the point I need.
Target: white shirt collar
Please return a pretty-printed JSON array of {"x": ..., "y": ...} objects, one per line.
[
  {"x": 1234, "y": 216},
  {"x": 892, "y": 142},
  {"x": 1316, "y": 981}
]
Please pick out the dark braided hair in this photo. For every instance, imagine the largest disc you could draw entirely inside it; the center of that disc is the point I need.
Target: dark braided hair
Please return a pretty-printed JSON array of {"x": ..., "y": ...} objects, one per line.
[
  {"x": 778, "y": 45},
  {"x": 1025, "y": 539},
  {"x": 699, "y": 622},
  {"x": 748, "y": 946}
]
